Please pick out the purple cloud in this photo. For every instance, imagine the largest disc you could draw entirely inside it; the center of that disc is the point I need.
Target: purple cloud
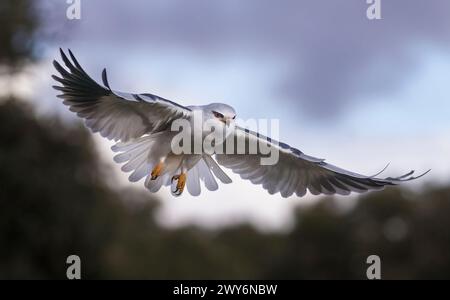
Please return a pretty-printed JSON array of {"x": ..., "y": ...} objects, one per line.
[{"x": 334, "y": 53}]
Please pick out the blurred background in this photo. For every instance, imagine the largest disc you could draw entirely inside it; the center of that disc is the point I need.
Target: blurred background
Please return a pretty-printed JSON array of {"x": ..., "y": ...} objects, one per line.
[{"x": 358, "y": 92}]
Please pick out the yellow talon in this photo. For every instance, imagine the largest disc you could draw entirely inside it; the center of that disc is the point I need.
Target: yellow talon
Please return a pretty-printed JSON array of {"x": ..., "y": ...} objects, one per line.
[
  {"x": 157, "y": 170},
  {"x": 181, "y": 182}
]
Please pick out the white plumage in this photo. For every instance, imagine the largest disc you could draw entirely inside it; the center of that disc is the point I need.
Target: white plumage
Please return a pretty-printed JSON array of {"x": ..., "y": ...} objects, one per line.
[{"x": 141, "y": 125}]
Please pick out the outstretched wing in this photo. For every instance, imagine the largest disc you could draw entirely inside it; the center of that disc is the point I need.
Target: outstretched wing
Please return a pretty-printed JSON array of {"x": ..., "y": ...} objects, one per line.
[
  {"x": 296, "y": 172},
  {"x": 116, "y": 115}
]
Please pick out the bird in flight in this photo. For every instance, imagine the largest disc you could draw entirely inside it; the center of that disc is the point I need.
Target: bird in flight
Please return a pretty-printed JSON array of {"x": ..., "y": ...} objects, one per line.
[{"x": 141, "y": 126}]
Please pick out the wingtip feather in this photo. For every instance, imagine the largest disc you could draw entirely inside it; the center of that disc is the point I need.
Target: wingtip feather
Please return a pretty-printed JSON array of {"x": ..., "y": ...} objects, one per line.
[{"x": 105, "y": 78}]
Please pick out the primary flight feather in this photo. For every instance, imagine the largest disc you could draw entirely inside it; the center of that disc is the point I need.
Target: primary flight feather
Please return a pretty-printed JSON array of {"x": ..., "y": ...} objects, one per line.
[{"x": 141, "y": 125}]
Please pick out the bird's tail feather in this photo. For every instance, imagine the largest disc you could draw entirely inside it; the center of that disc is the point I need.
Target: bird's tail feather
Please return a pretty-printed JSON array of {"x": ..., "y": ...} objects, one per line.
[
  {"x": 136, "y": 156},
  {"x": 215, "y": 168},
  {"x": 139, "y": 157}
]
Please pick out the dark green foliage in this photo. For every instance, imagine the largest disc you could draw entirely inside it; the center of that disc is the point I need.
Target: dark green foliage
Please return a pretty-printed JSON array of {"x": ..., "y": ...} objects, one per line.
[
  {"x": 18, "y": 25},
  {"x": 54, "y": 203}
]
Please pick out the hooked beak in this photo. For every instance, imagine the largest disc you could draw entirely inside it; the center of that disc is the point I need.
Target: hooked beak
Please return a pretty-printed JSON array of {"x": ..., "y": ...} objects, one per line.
[{"x": 226, "y": 121}]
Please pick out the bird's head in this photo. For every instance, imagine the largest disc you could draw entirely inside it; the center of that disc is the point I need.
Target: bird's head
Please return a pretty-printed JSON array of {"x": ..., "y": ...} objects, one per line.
[{"x": 221, "y": 112}]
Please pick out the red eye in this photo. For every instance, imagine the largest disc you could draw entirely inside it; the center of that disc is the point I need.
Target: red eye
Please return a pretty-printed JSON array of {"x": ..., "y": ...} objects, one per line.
[{"x": 217, "y": 115}]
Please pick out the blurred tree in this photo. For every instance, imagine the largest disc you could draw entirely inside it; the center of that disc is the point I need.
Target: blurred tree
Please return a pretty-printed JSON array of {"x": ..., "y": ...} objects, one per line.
[
  {"x": 410, "y": 232},
  {"x": 18, "y": 24},
  {"x": 53, "y": 202}
]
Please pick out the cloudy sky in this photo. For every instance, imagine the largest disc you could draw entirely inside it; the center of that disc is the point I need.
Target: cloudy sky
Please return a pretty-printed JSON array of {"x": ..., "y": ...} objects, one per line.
[{"x": 358, "y": 92}]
